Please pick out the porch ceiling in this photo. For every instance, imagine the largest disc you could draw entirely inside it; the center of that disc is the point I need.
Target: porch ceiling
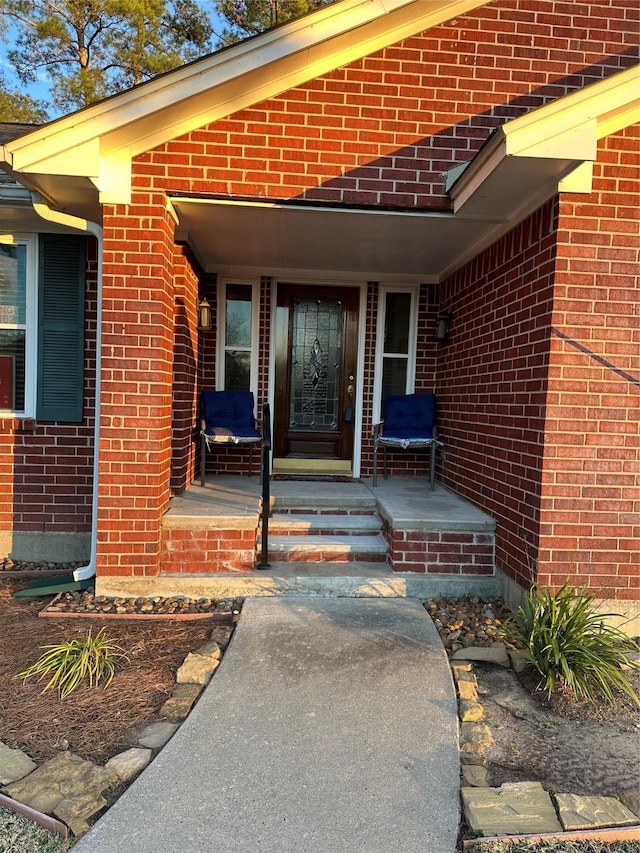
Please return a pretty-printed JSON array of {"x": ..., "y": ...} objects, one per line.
[{"x": 272, "y": 239}]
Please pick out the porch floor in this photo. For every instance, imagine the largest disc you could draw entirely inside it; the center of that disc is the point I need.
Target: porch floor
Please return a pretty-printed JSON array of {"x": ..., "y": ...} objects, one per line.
[{"x": 406, "y": 502}]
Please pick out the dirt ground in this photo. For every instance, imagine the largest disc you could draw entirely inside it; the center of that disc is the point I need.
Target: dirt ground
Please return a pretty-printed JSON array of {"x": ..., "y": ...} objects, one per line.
[{"x": 566, "y": 746}]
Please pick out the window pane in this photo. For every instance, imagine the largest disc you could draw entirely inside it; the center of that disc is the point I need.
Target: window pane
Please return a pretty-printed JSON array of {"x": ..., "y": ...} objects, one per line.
[
  {"x": 12, "y": 369},
  {"x": 13, "y": 284},
  {"x": 237, "y": 371},
  {"x": 238, "y": 317},
  {"x": 397, "y": 319},
  {"x": 394, "y": 377}
]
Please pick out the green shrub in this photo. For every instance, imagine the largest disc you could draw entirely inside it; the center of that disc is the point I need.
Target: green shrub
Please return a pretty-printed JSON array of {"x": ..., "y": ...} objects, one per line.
[
  {"x": 563, "y": 635},
  {"x": 83, "y": 659}
]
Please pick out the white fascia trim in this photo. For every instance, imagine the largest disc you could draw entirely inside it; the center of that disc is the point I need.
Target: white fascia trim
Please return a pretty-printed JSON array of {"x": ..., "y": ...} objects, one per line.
[{"x": 194, "y": 94}]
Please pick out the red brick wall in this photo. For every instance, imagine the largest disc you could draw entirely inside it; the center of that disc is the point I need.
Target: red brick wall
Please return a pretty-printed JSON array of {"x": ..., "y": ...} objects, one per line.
[
  {"x": 540, "y": 384},
  {"x": 137, "y": 376},
  {"x": 491, "y": 383},
  {"x": 384, "y": 130},
  {"x": 590, "y": 508},
  {"x": 46, "y": 469}
]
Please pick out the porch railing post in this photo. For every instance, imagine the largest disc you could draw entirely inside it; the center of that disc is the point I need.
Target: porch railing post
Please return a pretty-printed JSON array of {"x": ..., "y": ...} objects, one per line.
[{"x": 266, "y": 496}]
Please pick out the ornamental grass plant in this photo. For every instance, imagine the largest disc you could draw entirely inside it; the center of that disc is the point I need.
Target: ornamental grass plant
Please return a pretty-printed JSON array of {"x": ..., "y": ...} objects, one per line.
[
  {"x": 88, "y": 660},
  {"x": 564, "y": 636}
]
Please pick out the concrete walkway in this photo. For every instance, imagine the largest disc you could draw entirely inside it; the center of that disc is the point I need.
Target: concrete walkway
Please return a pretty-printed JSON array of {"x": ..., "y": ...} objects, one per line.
[{"x": 330, "y": 727}]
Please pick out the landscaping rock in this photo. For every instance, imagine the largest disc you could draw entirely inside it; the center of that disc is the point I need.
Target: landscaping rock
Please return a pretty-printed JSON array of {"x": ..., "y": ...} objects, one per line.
[
  {"x": 514, "y": 808},
  {"x": 468, "y": 690},
  {"x": 198, "y": 668},
  {"x": 579, "y": 812},
  {"x": 475, "y": 736},
  {"x": 14, "y": 764},
  {"x": 155, "y": 735},
  {"x": 470, "y": 711},
  {"x": 631, "y": 800},
  {"x": 474, "y": 776},
  {"x": 68, "y": 786},
  {"x": 128, "y": 764},
  {"x": 181, "y": 702},
  {"x": 496, "y": 653}
]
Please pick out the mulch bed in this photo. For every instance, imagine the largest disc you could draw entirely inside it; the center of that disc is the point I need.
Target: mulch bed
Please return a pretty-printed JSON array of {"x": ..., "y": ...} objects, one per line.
[{"x": 92, "y": 723}]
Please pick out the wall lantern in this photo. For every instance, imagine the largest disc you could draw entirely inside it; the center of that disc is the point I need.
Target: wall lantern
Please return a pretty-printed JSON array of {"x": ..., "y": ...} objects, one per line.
[
  {"x": 204, "y": 315},
  {"x": 443, "y": 321}
]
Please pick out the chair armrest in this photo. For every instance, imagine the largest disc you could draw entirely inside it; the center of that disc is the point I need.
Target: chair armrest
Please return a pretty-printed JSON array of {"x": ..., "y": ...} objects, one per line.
[
  {"x": 377, "y": 429},
  {"x": 203, "y": 424}
]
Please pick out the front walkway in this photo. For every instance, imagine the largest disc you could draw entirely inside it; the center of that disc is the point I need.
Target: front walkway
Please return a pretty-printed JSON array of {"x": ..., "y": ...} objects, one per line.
[{"x": 330, "y": 727}]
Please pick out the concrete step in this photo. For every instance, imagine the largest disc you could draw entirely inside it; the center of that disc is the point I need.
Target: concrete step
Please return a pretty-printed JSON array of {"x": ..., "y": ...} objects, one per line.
[
  {"x": 331, "y": 580},
  {"x": 314, "y": 548},
  {"x": 323, "y": 524},
  {"x": 307, "y": 498}
]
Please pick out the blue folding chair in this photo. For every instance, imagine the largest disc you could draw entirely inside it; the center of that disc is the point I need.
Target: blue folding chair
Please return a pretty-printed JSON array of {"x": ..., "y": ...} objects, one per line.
[
  {"x": 227, "y": 418},
  {"x": 409, "y": 424}
]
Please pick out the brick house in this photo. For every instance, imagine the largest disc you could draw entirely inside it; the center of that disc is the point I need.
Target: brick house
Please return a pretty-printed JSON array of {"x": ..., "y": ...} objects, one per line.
[{"x": 389, "y": 164}]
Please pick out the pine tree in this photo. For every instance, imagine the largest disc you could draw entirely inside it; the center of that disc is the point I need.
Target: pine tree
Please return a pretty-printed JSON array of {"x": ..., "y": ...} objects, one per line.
[{"x": 92, "y": 48}]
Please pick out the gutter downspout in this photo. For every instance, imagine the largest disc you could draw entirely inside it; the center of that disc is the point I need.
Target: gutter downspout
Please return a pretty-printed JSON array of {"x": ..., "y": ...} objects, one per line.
[{"x": 45, "y": 212}]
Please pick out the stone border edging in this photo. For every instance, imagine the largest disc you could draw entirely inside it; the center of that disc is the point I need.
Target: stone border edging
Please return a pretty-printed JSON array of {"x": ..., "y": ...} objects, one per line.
[
  {"x": 225, "y": 618},
  {"x": 476, "y": 736}
]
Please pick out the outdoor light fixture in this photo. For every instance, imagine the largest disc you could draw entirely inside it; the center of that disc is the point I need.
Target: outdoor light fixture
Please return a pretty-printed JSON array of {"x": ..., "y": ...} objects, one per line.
[
  {"x": 443, "y": 321},
  {"x": 204, "y": 315}
]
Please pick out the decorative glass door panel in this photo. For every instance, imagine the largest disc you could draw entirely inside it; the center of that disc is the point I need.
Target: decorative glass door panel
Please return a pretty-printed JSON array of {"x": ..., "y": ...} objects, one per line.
[
  {"x": 316, "y": 351},
  {"x": 316, "y": 359}
]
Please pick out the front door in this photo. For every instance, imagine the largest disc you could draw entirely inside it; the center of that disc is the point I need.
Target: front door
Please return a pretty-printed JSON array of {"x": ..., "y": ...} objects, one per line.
[{"x": 316, "y": 359}]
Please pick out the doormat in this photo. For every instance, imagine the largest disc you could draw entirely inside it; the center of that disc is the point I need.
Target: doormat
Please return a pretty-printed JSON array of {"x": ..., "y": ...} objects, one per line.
[{"x": 316, "y": 478}]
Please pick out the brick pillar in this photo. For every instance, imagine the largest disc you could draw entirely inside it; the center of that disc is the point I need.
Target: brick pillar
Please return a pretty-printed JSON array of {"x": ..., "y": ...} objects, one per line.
[
  {"x": 137, "y": 359},
  {"x": 590, "y": 494}
]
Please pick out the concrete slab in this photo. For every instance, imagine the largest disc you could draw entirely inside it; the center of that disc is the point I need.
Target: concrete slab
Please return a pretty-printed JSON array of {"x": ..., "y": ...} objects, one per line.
[
  {"x": 408, "y": 504},
  {"x": 331, "y": 725},
  {"x": 360, "y": 580}
]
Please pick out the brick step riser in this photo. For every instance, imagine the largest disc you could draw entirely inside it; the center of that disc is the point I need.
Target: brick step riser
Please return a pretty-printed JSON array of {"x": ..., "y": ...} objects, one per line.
[
  {"x": 329, "y": 556},
  {"x": 280, "y": 530}
]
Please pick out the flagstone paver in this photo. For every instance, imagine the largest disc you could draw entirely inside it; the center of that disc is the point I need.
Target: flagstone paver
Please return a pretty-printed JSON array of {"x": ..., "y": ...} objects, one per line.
[
  {"x": 14, "y": 764},
  {"x": 68, "y": 786},
  {"x": 182, "y": 700},
  {"x": 156, "y": 735},
  {"x": 515, "y": 807},
  {"x": 580, "y": 812}
]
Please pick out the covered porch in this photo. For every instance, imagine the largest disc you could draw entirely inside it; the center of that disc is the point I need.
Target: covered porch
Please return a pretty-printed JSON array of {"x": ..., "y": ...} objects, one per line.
[{"x": 325, "y": 538}]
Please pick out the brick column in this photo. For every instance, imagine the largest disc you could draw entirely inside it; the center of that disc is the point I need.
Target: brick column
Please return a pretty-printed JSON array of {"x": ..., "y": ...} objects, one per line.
[
  {"x": 137, "y": 358},
  {"x": 590, "y": 493}
]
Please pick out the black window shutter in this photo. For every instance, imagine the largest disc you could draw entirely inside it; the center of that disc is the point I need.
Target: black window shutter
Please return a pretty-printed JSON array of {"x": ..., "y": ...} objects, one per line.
[{"x": 61, "y": 328}]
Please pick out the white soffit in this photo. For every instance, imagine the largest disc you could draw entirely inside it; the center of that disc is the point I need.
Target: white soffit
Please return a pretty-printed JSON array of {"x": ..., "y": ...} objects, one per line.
[{"x": 367, "y": 244}]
